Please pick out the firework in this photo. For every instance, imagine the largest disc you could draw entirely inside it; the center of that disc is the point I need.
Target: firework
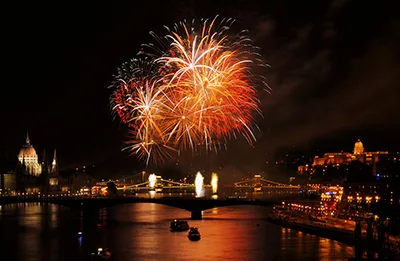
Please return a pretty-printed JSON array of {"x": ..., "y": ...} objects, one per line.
[
  {"x": 139, "y": 101},
  {"x": 214, "y": 182},
  {"x": 131, "y": 76},
  {"x": 152, "y": 181},
  {"x": 196, "y": 89},
  {"x": 149, "y": 107},
  {"x": 198, "y": 182}
]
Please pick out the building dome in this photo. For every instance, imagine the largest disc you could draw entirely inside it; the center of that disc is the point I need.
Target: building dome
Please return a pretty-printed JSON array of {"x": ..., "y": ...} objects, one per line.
[
  {"x": 27, "y": 151},
  {"x": 358, "y": 147},
  {"x": 27, "y": 155}
]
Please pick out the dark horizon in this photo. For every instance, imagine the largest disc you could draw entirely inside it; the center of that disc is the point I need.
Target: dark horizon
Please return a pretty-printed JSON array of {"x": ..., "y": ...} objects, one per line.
[{"x": 333, "y": 73}]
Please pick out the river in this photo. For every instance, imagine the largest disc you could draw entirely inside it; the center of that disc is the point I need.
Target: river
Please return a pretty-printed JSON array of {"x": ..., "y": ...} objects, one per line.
[{"x": 35, "y": 232}]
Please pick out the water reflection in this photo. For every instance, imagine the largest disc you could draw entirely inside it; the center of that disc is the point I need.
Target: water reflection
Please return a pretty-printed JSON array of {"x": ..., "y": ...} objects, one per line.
[
  {"x": 141, "y": 232},
  {"x": 313, "y": 247},
  {"x": 214, "y": 211}
]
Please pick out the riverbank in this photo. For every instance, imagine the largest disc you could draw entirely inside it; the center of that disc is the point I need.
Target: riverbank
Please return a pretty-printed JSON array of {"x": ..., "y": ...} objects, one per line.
[
  {"x": 343, "y": 236},
  {"x": 322, "y": 230}
]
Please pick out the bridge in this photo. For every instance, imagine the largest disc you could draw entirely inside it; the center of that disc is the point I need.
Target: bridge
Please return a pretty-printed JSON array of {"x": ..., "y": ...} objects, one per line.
[
  {"x": 159, "y": 185},
  {"x": 256, "y": 183},
  {"x": 193, "y": 205}
]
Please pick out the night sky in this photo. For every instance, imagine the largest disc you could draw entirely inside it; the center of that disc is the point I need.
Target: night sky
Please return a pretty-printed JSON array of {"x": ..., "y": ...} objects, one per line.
[{"x": 335, "y": 73}]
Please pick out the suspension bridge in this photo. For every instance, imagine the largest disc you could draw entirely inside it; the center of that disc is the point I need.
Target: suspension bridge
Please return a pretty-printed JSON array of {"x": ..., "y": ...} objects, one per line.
[
  {"x": 158, "y": 184},
  {"x": 259, "y": 183}
]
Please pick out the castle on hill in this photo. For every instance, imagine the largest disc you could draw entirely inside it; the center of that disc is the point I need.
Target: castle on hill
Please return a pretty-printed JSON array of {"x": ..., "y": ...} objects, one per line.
[{"x": 334, "y": 158}]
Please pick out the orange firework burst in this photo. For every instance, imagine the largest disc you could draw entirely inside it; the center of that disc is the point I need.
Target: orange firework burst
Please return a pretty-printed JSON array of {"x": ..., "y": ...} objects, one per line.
[
  {"x": 139, "y": 101},
  {"x": 149, "y": 107},
  {"x": 203, "y": 93}
]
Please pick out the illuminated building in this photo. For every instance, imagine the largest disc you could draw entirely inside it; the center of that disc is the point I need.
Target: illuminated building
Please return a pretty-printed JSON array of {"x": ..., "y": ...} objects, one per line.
[
  {"x": 332, "y": 193},
  {"x": 7, "y": 175},
  {"x": 54, "y": 165},
  {"x": 29, "y": 159},
  {"x": 335, "y": 158},
  {"x": 371, "y": 191},
  {"x": 8, "y": 182},
  {"x": 358, "y": 148},
  {"x": 56, "y": 182},
  {"x": 360, "y": 191},
  {"x": 54, "y": 177}
]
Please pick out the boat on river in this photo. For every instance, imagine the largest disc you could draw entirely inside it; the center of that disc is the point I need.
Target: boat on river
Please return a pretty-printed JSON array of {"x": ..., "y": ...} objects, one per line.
[
  {"x": 179, "y": 226},
  {"x": 194, "y": 234}
]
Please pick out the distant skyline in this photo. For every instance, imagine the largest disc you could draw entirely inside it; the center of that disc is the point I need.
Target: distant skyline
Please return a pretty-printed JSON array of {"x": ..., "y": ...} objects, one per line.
[{"x": 334, "y": 74}]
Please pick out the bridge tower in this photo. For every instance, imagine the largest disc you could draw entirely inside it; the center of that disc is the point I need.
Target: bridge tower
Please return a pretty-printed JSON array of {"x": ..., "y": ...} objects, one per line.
[
  {"x": 257, "y": 183},
  {"x": 54, "y": 175},
  {"x": 158, "y": 185}
]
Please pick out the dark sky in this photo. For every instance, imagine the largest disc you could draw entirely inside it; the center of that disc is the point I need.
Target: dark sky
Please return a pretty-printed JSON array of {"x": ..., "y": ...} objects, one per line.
[{"x": 335, "y": 73}]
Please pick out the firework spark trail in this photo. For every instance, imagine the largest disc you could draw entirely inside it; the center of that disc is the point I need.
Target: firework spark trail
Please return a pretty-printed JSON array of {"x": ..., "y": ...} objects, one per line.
[
  {"x": 197, "y": 89},
  {"x": 212, "y": 84},
  {"x": 140, "y": 102},
  {"x": 148, "y": 109}
]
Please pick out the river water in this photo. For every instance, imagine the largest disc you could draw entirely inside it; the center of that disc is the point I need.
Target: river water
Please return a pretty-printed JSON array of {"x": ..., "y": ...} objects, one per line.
[{"x": 35, "y": 232}]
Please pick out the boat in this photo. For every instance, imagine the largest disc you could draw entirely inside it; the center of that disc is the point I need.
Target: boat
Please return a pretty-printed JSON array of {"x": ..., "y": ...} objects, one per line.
[
  {"x": 102, "y": 254},
  {"x": 179, "y": 225},
  {"x": 194, "y": 234}
]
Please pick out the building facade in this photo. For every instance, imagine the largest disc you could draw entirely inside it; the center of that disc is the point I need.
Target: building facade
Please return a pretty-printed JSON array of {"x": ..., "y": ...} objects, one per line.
[
  {"x": 338, "y": 158},
  {"x": 8, "y": 183},
  {"x": 46, "y": 173},
  {"x": 29, "y": 159}
]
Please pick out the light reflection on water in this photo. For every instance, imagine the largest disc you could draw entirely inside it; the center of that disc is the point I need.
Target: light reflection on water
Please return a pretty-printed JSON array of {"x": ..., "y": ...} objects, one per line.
[{"x": 141, "y": 232}]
